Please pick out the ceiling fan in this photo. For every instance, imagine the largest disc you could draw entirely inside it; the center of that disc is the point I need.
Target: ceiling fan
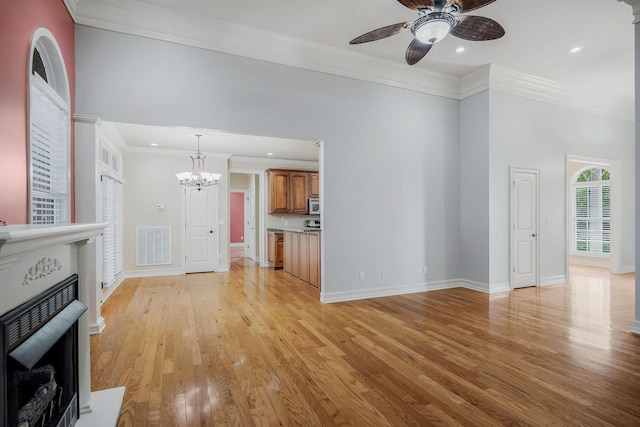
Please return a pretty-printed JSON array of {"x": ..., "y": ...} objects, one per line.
[{"x": 436, "y": 19}]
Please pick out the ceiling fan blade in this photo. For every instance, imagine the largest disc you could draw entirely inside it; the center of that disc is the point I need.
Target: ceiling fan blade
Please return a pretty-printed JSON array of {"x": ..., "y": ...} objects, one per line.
[
  {"x": 468, "y": 5},
  {"x": 418, "y": 4},
  {"x": 477, "y": 28},
  {"x": 416, "y": 51},
  {"x": 381, "y": 33}
]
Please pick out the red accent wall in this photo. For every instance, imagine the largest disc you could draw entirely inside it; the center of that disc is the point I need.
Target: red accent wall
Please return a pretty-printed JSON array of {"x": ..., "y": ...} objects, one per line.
[
  {"x": 237, "y": 217},
  {"x": 18, "y": 20}
]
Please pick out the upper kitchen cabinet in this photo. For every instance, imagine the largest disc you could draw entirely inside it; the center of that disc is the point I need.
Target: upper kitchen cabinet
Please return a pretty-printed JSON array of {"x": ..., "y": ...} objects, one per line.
[
  {"x": 314, "y": 185},
  {"x": 279, "y": 189},
  {"x": 290, "y": 190},
  {"x": 299, "y": 192}
]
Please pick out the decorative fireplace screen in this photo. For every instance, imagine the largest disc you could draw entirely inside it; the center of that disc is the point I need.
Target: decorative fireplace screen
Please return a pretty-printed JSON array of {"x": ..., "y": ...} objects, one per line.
[{"x": 39, "y": 359}]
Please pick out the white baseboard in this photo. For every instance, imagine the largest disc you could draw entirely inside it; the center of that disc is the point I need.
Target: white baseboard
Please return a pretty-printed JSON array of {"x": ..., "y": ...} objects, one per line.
[
  {"x": 624, "y": 269},
  {"x": 153, "y": 273},
  {"x": 474, "y": 286},
  {"x": 635, "y": 329},
  {"x": 386, "y": 291},
  {"x": 108, "y": 290},
  {"x": 553, "y": 280},
  {"x": 98, "y": 327},
  {"x": 236, "y": 245},
  {"x": 485, "y": 288},
  {"x": 222, "y": 269},
  {"x": 589, "y": 261}
]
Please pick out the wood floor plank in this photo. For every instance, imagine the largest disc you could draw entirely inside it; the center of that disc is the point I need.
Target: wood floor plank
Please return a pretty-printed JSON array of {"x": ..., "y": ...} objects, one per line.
[{"x": 248, "y": 348}]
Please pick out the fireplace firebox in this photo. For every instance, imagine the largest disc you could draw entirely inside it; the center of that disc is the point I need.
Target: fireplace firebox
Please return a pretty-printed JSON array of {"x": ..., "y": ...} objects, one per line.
[{"x": 39, "y": 359}]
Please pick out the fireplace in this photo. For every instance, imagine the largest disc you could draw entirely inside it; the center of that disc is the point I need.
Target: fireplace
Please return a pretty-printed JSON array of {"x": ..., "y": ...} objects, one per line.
[
  {"x": 39, "y": 365},
  {"x": 47, "y": 281}
]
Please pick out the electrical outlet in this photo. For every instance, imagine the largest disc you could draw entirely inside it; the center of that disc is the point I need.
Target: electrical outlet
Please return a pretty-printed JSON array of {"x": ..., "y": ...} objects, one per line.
[
  {"x": 286, "y": 223},
  {"x": 362, "y": 275},
  {"x": 425, "y": 269}
]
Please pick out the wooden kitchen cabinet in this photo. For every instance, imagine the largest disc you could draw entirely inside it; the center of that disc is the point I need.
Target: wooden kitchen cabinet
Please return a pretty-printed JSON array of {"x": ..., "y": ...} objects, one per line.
[
  {"x": 314, "y": 185},
  {"x": 303, "y": 251},
  {"x": 299, "y": 192},
  {"x": 314, "y": 259},
  {"x": 276, "y": 249},
  {"x": 279, "y": 189},
  {"x": 295, "y": 255},
  {"x": 290, "y": 190},
  {"x": 288, "y": 252},
  {"x": 302, "y": 256}
]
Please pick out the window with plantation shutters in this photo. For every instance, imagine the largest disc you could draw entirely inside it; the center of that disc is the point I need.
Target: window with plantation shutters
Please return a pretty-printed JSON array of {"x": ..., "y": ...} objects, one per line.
[
  {"x": 49, "y": 133},
  {"x": 591, "y": 196},
  {"x": 49, "y": 156},
  {"x": 112, "y": 234}
]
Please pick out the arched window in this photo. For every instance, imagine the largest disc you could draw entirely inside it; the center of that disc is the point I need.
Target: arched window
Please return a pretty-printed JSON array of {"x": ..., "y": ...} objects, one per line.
[
  {"x": 49, "y": 132},
  {"x": 592, "y": 211}
]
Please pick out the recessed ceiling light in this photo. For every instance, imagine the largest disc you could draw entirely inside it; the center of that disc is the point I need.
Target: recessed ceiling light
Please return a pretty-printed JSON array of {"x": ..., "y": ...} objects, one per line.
[
  {"x": 461, "y": 49},
  {"x": 576, "y": 49},
  {"x": 269, "y": 154},
  {"x": 153, "y": 144}
]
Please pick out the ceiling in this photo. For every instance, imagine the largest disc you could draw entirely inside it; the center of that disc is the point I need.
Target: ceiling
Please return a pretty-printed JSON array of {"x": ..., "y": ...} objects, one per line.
[
  {"x": 539, "y": 36},
  {"x": 211, "y": 141}
]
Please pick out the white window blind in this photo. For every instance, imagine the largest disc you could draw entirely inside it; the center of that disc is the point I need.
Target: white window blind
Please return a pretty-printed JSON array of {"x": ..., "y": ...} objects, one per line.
[
  {"x": 112, "y": 234},
  {"x": 592, "y": 222},
  {"x": 49, "y": 155}
]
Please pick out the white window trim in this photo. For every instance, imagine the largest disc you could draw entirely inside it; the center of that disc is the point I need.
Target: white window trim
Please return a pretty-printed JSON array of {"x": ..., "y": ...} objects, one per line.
[{"x": 58, "y": 90}]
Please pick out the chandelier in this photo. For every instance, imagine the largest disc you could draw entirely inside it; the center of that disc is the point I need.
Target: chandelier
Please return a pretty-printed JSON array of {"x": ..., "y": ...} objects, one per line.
[{"x": 197, "y": 177}]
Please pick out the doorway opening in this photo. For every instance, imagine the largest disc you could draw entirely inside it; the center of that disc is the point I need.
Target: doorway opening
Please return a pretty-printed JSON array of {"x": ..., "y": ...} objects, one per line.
[
  {"x": 244, "y": 216},
  {"x": 593, "y": 213}
]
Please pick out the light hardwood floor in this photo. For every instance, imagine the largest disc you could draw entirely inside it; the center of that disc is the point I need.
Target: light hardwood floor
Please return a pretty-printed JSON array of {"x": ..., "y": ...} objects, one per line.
[{"x": 247, "y": 348}]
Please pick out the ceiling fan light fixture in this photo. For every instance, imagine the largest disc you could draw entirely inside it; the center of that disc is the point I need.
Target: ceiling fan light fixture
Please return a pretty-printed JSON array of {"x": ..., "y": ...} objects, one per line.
[{"x": 432, "y": 28}]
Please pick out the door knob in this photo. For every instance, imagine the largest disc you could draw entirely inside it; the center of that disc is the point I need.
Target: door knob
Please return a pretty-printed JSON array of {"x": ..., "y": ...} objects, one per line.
[
  {"x": 533, "y": 235},
  {"x": 211, "y": 231}
]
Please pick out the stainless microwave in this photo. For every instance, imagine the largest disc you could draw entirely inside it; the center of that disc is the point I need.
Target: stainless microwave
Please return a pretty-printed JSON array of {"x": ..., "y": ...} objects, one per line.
[{"x": 314, "y": 206}]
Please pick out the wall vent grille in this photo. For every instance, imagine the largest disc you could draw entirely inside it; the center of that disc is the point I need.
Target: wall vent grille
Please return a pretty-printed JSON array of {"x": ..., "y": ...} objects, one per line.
[{"x": 153, "y": 246}]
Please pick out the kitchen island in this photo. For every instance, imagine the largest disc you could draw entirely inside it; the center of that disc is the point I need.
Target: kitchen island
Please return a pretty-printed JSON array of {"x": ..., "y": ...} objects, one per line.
[{"x": 301, "y": 254}]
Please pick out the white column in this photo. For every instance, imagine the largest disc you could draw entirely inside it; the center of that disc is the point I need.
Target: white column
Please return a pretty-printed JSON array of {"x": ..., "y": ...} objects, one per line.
[
  {"x": 84, "y": 351},
  {"x": 89, "y": 208},
  {"x": 635, "y": 4}
]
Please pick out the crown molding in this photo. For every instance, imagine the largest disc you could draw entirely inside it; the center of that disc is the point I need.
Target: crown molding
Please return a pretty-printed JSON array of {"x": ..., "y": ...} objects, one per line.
[
  {"x": 158, "y": 22},
  {"x": 475, "y": 82},
  {"x": 635, "y": 4},
  {"x": 516, "y": 83},
  {"x": 194, "y": 30},
  {"x": 71, "y": 5}
]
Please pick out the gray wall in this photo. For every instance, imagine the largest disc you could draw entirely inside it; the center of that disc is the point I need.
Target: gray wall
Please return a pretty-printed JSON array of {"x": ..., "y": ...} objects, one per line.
[
  {"x": 537, "y": 135},
  {"x": 391, "y": 156},
  {"x": 474, "y": 189}
]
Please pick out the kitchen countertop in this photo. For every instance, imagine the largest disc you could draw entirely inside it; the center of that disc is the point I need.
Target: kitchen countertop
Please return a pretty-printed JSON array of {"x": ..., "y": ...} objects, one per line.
[{"x": 297, "y": 230}]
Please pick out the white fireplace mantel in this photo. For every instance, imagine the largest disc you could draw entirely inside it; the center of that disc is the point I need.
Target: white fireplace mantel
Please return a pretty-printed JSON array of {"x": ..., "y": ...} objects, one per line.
[{"x": 22, "y": 238}]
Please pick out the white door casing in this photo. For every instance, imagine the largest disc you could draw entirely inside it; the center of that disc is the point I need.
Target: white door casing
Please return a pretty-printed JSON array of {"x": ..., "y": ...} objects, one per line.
[
  {"x": 249, "y": 225},
  {"x": 525, "y": 269},
  {"x": 201, "y": 229}
]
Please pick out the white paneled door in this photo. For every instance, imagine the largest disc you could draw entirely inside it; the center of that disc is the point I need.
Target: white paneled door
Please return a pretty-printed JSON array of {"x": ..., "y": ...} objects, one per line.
[
  {"x": 201, "y": 229},
  {"x": 524, "y": 234}
]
